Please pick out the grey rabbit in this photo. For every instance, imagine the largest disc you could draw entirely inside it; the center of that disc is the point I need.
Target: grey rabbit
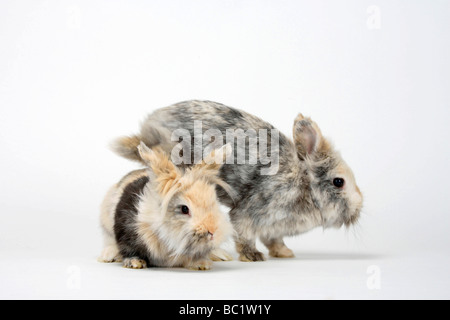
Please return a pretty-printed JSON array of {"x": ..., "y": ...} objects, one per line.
[{"x": 311, "y": 187}]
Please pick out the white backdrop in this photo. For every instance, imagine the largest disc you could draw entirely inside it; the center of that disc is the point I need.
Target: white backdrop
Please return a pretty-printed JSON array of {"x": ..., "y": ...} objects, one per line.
[{"x": 375, "y": 75}]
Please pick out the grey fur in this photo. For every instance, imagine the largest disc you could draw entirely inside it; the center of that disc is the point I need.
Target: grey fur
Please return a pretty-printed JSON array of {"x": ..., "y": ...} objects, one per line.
[{"x": 299, "y": 197}]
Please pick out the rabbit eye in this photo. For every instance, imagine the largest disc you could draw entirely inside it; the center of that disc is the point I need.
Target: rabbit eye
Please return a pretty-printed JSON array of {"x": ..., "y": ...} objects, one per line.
[
  {"x": 339, "y": 182},
  {"x": 184, "y": 210}
]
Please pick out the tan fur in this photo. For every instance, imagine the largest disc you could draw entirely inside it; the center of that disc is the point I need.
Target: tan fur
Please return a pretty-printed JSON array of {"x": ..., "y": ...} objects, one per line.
[
  {"x": 201, "y": 197},
  {"x": 167, "y": 174}
]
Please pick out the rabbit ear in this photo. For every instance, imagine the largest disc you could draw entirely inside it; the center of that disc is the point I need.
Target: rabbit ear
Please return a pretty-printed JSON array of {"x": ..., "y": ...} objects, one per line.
[
  {"x": 147, "y": 154},
  {"x": 211, "y": 165},
  {"x": 307, "y": 137},
  {"x": 161, "y": 169}
]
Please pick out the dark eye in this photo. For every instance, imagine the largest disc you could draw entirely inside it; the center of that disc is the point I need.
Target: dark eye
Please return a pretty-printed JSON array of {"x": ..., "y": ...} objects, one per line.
[
  {"x": 339, "y": 182},
  {"x": 184, "y": 210}
]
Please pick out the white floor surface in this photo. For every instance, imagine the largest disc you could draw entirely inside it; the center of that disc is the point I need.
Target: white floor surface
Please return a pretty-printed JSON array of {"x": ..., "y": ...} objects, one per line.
[{"x": 311, "y": 275}]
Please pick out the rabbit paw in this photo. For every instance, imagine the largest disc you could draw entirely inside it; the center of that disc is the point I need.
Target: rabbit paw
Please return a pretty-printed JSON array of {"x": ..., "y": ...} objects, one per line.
[
  {"x": 278, "y": 249},
  {"x": 252, "y": 256},
  {"x": 281, "y": 252},
  {"x": 134, "y": 263},
  {"x": 200, "y": 265},
  {"x": 110, "y": 254},
  {"x": 248, "y": 252},
  {"x": 220, "y": 255}
]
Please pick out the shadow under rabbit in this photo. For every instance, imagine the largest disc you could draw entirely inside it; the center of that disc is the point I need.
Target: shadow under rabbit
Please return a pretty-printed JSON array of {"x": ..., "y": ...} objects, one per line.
[{"x": 330, "y": 256}]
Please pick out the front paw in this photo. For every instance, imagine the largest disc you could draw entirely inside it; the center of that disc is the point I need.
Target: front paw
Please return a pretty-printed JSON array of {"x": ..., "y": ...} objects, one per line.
[
  {"x": 200, "y": 265},
  {"x": 110, "y": 254},
  {"x": 220, "y": 255},
  {"x": 134, "y": 263}
]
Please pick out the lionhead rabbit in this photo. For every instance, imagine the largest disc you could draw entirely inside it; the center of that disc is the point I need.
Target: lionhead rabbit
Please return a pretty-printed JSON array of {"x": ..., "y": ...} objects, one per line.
[
  {"x": 163, "y": 217},
  {"x": 312, "y": 185}
]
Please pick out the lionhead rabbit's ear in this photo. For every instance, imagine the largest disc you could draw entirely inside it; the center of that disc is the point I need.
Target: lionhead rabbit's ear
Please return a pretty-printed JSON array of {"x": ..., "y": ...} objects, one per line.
[
  {"x": 147, "y": 154},
  {"x": 162, "y": 170},
  {"x": 307, "y": 137},
  {"x": 216, "y": 158},
  {"x": 210, "y": 167}
]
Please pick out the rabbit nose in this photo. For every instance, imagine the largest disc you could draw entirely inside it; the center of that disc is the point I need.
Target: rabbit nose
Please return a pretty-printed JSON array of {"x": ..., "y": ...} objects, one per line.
[{"x": 210, "y": 235}]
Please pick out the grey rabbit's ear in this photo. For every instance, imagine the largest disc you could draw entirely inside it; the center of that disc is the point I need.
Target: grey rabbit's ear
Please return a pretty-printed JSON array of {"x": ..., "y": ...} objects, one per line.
[{"x": 308, "y": 138}]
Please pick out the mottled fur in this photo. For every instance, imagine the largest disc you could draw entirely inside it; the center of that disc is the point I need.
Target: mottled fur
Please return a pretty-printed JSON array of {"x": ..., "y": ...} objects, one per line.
[
  {"x": 143, "y": 223},
  {"x": 300, "y": 197}
]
